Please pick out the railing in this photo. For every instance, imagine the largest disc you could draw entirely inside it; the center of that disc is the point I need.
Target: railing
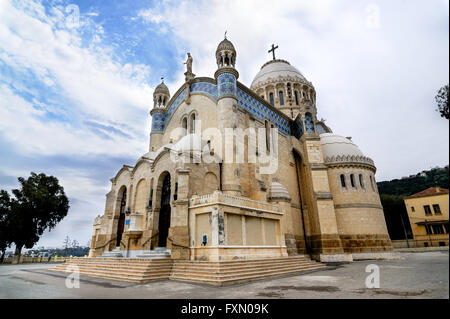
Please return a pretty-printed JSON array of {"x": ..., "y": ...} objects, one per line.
[{"x": 221, "y": 198}]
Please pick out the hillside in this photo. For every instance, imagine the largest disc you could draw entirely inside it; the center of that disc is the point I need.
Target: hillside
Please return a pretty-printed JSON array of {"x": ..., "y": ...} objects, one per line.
[
  {"x": 392, "y": 193},
  {"x": 414, "y": 184}
]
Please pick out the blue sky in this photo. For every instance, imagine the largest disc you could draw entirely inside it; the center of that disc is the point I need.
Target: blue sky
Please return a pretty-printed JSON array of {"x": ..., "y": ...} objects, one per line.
[{"x": 75, "y": 91}]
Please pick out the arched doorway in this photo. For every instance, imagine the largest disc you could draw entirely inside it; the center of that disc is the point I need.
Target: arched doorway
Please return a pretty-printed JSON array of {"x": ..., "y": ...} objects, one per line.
[
  {"x": 121, "y": 223},
  {"x": 164, "y": 213}
]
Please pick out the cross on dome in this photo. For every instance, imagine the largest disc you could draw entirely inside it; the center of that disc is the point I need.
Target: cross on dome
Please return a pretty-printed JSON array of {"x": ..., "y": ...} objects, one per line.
[{"x": 273, "y": 50}]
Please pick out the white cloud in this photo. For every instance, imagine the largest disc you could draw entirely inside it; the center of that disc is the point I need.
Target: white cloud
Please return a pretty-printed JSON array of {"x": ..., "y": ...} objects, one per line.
[
  {"x": 375, "y": 84},
  {"x": 95, "y": 84}
]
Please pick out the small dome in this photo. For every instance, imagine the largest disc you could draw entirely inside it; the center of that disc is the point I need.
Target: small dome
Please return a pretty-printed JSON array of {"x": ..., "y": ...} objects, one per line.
[
  {"x": 225, "y": 45},
  {"x": 190, "y": 142},
  {"x": 336, "y": 145},
  {"x": 276, "y": 69},
  {"x": 153, "y": 155},
  {"x": 277, "y": 192},
  {"x": 161, "y": 88}
]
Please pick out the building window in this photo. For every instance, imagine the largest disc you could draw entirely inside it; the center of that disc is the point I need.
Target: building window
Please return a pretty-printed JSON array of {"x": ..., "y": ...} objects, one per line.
[
  {"x": 413, "y": 209},
  {"x": 271, "y": 99},
  {"x": 437, "y": 229},
  {"x": 267, "y": 135},
  {"x": 446, "y": 228},
  {"x": 192, "y": 124},
  {"x": 437, "y": 209},
  {"x": 352, "y": 180},
  {"x": 343, "y": 180},
  {"x": 262, "y": 96},
  {"x": 296, "y": 97},
  {"x": 427, "y": 209},
  {"x": 428, "y": 229},
  {"x": 371, "y": 182},
  {"x": 361, "y": 181},
  {"x": 281, "y": 97},
  {"x": 184, "y": 124}
]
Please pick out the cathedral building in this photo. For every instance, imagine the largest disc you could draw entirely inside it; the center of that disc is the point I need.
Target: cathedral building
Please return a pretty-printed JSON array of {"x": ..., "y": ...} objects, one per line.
[{"x": 299, "y": 190}]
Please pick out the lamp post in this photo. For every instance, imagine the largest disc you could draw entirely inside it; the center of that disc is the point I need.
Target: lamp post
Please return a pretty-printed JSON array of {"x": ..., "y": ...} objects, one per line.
[
  {"x": 404, "y": 230},
  {"x": 428, "y": 232}
]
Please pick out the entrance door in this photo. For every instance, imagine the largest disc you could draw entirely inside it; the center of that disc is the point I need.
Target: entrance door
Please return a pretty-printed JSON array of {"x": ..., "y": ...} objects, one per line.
[
  {"x": 121, "y": 222},
  {"x": 164, "y": 213}
]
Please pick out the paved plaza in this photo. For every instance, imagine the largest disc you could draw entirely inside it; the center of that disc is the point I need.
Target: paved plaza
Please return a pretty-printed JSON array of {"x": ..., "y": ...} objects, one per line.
[{"x": 414, "y": 275}]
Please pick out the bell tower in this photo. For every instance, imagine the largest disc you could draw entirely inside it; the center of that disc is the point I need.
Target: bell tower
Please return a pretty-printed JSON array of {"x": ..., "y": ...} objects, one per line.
[
  {"x": 226, "y": 76},
  {"x": 161, "y": 97}
]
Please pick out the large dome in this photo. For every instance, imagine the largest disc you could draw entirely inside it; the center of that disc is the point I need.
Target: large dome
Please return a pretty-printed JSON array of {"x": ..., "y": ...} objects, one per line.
[
  {"x": 276, "y": 69},
  {"x": 336, "y": 145}
]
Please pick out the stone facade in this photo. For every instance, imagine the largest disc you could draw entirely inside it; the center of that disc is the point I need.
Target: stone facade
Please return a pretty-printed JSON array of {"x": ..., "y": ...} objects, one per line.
[{"x": 285, "y": 197}]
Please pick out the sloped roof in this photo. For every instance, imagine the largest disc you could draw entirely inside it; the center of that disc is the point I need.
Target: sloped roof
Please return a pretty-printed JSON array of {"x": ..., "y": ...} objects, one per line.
[{"x": 430, "y": 191}]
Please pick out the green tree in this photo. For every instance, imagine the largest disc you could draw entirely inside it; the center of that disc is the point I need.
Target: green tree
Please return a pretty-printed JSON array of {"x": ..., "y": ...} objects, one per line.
[
  {"x": 397, "y": 220},
  {"x": 39, "y": 204},
  {"x": 5, "y": 208},
  {"x": 442, "y": 102},
  {"x": 66, "y": 245}
]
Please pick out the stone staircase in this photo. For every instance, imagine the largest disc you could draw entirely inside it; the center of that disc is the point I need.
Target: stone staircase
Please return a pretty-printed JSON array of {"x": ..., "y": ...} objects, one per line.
[
  {"x": 158, "y": 252},
  {"x": 227, "y": 273},
  {"x": 223, "y": 273},
  {"x": 115, "y": 253},
  {"x": 138, "y": 270}
]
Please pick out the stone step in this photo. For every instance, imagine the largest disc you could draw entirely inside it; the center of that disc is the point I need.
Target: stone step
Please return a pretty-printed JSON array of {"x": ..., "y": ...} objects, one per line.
[
  {"x": 126, "y": 261},
  {"x": 231, "y": 266},
  {"x": 220, "y": 282},
  {"x": 122, "y": 268},
  {"x": 220, "y": 270},
  {"x": 128, "y": 279},
  {"x": 154, "y": 255},
  {"x": 238, "y": 274},
  {"x": 122, "y": 274},
  {"x": 140, "y": 270},
  {"x": 234, "y": 264}
]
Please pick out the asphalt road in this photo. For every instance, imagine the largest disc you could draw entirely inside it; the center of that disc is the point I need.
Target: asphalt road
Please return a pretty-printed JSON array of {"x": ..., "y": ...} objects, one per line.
[{"x": 414, "y": 275}]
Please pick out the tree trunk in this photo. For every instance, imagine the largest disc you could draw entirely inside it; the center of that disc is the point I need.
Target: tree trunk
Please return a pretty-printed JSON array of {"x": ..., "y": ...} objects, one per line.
[
  {"x": 17, "y": 253},
  {"x": 3, "y": 256}
]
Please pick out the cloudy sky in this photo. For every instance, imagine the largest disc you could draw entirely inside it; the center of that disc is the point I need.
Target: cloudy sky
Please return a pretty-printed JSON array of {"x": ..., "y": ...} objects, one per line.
[{"x": 77, "y": 77}]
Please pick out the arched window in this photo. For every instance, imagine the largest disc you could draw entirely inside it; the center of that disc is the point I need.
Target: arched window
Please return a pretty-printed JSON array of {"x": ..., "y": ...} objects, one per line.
[
  {"x": 352, "y": 180},
  {"x": 343, "y": 180},
  {"x": 192, "y": 123},
  {"x": 184, "y": 125},
  {"x": 267, "y": 135},
  {"x": 271, "y": 99},
  {"x": 296, "y": 97},
  {"x": 281, "y": 97},
  {"x": 371, "y": 182},
  {"x": 361, "y": 181}
]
